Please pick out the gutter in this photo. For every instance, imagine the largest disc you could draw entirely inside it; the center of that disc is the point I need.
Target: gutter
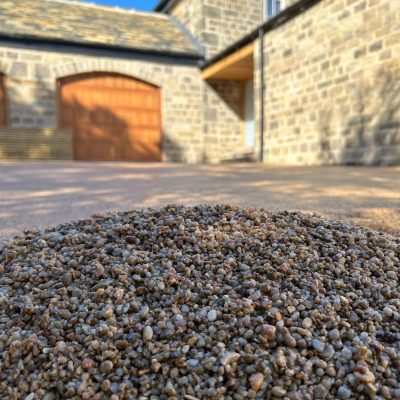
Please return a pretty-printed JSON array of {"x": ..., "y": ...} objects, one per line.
[
  {"x": 261, "y": 34},
  {"x": 164, "y": 5}
]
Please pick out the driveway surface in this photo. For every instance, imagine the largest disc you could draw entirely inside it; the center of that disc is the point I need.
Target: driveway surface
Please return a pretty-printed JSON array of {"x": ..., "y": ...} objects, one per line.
[{"x": 45, "y": 194}]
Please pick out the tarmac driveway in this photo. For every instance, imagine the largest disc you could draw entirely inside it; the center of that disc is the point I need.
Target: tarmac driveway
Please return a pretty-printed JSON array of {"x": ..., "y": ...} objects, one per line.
[{"x": 43, "y": 194}]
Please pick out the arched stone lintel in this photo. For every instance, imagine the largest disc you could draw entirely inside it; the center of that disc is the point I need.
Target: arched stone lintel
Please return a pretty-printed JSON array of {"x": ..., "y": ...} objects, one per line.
[{"x": 104, "y": 65}]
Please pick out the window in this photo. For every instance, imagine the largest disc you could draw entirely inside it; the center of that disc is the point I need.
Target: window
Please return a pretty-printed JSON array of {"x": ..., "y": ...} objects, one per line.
[
  {"x": 3, "y": 102},
  {"x": 272, "y": 7}
]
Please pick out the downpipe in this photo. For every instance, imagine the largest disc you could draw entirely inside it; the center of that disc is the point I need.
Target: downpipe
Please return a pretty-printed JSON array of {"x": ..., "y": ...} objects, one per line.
[{"x": 261, "y": 93}]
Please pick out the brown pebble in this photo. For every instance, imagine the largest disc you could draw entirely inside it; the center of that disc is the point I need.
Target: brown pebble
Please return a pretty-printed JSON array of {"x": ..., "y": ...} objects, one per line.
[
  {"x": 256, "y": 381},
  {"x": 229, "y": 358},
  {"x": 87, "y": 363},
  {"x": 106, "y": 366},
  {"x": 105, "y": 386}
]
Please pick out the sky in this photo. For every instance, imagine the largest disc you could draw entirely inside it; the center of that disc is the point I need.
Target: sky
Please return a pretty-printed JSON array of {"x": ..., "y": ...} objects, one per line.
[{"x": 146, "y": 5}]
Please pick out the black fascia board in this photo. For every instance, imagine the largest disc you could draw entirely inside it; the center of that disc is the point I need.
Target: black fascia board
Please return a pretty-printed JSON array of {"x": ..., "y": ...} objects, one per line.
[
  {"x": 162, "y": 5},
  {"x": 64, "y": 44}
]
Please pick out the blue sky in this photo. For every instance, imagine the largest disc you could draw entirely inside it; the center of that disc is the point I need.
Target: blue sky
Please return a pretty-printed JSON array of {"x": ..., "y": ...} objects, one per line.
[{"x": 146, "y": 5}]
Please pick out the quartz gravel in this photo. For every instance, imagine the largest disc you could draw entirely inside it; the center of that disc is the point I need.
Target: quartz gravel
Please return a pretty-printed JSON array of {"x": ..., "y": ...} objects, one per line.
[{"x": 208, "y": 302}]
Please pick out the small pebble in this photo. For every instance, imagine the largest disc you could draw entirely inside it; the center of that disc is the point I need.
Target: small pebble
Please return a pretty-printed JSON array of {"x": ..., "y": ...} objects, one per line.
[
  {"x": 105, "y": 386},
  {"x": 200, "y": 302},
  {"x": 212, "y": 315},
  {"x": 307, "y": 323},
  {"x": 229, "y": 358},
  {"x": 87, "y": 363},
  {"x": 318, "y": 345},
  {"x": 344, "y": 392},
  {"x": 289, "y": 341},
  {"x": 193, "y": 362},
  {"x": 147, "y": 333},
  {"x": 278, "y": 391},
  {"x": 256, "y": 381},
  {"x": 320, "y": 392},
  {"x": 106, "y": 366},
  {"x": 334, "y": 334},
  {"x": 268, "y": 331}
]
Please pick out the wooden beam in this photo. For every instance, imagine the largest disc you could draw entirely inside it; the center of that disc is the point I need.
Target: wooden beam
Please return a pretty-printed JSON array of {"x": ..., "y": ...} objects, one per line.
[
  {"x": 234, "y": 73},
  {"x": 246, "y": 53}
]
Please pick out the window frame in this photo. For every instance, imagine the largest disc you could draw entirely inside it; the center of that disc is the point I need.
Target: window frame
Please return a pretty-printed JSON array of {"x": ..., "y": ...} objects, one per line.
[
  {"x": 3, "y": 83},
  {"x": 273, "y": 4}
]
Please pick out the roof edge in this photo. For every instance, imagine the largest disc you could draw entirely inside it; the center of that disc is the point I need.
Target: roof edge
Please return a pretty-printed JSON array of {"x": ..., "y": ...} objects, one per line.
[
  {"x": 164, "y": 5},
  {"x": 283, "y": 17},
  {"x": 104, "y": 7},
  {"x": 185, "y": 32},
  {"x": 90, "y": 45}
]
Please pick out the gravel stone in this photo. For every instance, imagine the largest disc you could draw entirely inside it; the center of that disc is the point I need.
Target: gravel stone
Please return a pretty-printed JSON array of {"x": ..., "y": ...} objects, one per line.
[
  {"x": 148, "y": 333},
  {"x": 334, "y": 334},
  {"x": 320, "y": 392},
  {"x": 200, "y": 303},
  {"x": 256, "y": 381},
  {"x": 212, "y": 315},
  {"x": 106, "y": 366},
  {"x": 229, "y": 358},
  {"x": 278, "y": 391},
  {"x": 344, "y": 392},
  {"x": 307, "y": 323},
  {"x": 318, "y": 345}
]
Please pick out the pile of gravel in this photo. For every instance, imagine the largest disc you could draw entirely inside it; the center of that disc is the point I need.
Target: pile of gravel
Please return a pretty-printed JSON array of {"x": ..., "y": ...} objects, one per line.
[{"x": 200, "y": 303}]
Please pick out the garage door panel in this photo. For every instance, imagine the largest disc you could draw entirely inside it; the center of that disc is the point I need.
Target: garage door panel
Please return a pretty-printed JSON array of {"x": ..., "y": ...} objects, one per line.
[
  {"x": 138, "y": 120},
  {"x": 123, "y": 99},
  {"x": 143, "y": 150},
  {"x": 113, "y": 117},
  {"x": 99, "y": 136},
  {"x": 118, "y": 152}
]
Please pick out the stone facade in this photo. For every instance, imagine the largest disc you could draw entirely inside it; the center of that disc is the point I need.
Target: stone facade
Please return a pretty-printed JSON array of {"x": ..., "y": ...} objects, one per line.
[
  {"x": 32, "y": 92},
  {"x": 190, "y": 15},
  {"x": 218, "y": 23},
  {"x": 223, "y": 120},
  {"x": 215, "y": 24},
  {"x": 332, "y": 85}
]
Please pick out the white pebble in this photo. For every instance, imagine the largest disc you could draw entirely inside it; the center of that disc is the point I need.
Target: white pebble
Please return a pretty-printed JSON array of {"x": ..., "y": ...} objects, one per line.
[
  {"x": 148, "y": 333},
  {"x": 212, "y": 315}
]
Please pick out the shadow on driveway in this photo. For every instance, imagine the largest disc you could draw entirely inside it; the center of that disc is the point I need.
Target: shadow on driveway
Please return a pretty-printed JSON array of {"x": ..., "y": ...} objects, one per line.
[{"x": 43, "y": 194}]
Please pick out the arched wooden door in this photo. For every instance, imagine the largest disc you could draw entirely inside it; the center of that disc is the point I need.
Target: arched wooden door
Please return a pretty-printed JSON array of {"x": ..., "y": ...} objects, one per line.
[
  {"x": 3, "y": 101},
  {"x": 113, "y": 117}
]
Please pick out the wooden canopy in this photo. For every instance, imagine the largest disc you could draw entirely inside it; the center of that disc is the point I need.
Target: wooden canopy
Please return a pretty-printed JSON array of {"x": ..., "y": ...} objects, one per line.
[{"x": 238, "y": 66}]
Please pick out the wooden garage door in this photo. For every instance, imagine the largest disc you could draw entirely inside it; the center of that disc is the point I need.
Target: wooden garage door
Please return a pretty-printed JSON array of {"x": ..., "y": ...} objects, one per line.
[
  {"x": 3, "y": 102},
  {"x": 113, "y": 117}
]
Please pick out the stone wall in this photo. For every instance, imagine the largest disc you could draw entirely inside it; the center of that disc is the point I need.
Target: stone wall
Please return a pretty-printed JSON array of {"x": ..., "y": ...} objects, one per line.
[
  {"x": 190, "y": 14},
  {"x": 226, "y": 21},
  {"x": 223, "y": 120},
  {"x": 201, "y": 122},
  {"x": 218, "y": 23},
  {"x": 32, "y": 93},
  {"x": 333, "y": 85}
]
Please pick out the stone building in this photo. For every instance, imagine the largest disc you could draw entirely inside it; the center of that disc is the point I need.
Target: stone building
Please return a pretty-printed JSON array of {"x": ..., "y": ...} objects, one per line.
[{"x": 298, "y": 82}]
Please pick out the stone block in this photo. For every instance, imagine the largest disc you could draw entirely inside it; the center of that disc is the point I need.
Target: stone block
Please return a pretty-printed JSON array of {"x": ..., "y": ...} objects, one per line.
[
  {"x": 212, "y": 12},
  {"x": 19, "y": 69}
]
